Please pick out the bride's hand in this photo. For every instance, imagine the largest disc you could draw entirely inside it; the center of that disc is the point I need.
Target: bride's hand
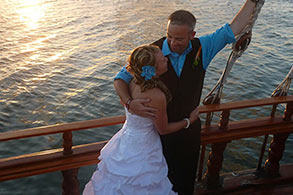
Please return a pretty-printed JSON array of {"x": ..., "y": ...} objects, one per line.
[
  {"x": 194, "y": 115},
  {"x": 137, "y": 106}
]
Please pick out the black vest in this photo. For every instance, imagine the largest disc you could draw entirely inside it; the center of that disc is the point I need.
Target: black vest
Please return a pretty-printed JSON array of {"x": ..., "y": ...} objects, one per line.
[{"x": 186, "y": 90}]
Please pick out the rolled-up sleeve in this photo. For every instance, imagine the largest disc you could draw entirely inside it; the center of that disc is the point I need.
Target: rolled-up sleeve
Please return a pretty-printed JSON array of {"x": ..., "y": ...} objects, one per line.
[
  {"x": 124, "y": 75},
  {"x": 214, "y": 42}
]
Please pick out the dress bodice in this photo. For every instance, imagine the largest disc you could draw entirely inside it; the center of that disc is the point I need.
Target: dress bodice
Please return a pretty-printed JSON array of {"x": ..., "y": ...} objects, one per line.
[{"x": 138, "y": 125}]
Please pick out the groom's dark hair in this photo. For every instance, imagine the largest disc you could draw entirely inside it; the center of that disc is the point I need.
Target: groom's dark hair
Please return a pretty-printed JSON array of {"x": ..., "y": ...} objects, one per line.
[{"x": 181, "y": 17}]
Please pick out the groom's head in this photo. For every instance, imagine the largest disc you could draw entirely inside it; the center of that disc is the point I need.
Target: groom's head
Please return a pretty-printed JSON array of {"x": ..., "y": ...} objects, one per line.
[{"x": 180, "y": 30}]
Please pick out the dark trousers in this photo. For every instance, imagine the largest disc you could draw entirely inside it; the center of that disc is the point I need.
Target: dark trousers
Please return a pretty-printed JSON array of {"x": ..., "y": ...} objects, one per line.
[{"x": 181, "y": 150}]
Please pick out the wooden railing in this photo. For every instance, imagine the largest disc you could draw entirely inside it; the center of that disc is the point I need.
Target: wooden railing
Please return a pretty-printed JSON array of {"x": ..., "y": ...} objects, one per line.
[
  {"x": 221, "y": 134},
  {"x": 69, "y": 158}
]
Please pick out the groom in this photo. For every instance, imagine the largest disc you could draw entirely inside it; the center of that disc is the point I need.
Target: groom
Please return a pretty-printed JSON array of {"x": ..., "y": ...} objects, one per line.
[{"x": 189, "y": 58}]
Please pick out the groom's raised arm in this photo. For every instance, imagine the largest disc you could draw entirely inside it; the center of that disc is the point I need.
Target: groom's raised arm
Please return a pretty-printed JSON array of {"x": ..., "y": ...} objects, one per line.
[
  {"x": 242, "y": 18},
  {"x": 136, "y": 106}
]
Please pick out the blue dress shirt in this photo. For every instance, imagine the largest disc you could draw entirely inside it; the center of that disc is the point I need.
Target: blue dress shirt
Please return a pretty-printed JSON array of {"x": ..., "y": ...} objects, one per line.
[{"x": 211, "y": 44}]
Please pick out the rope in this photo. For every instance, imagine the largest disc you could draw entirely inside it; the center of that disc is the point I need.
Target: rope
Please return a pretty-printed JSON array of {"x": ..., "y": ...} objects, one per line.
[
  {"x": 281, "y": 90},
  {"x": 241, "y": 44},
  {"x": 283, "y": 87}
]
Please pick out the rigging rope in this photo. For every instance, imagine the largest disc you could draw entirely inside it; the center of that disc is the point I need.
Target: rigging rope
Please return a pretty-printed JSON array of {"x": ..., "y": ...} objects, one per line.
[
  {"x": 241, "y": 44},
  {"x": 281, "y": 90},
  {"x": 283, "y": 87}
]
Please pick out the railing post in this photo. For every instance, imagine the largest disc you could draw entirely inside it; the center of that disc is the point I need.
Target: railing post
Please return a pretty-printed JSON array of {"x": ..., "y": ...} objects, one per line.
[
  {"x": 67, "y": 143},
  {"x": 215, "y": 161},
  {"x": 201, "y": 161},
  {"x": 288, "y": 112},
  {"x": 277, "y": 146},
  {"x": 224, "y": 119},
  {"x": 70, "y": 184}
]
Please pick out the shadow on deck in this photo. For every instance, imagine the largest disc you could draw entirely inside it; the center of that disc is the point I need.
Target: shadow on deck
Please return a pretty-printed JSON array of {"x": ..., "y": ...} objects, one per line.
[{"x": 252, "y": 182}]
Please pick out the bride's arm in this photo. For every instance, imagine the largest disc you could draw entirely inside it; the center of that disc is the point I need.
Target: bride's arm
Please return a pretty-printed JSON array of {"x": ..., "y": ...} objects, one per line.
[{"x": 161, "y": 122}]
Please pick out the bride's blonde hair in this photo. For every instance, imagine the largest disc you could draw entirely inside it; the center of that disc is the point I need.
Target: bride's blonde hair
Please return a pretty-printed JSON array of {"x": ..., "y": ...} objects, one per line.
[{"x": 145, "y": 56}]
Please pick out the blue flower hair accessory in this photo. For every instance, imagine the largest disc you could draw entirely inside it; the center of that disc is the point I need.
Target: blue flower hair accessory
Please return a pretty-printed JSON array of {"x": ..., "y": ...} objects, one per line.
[{"x": 148, "y": 72}]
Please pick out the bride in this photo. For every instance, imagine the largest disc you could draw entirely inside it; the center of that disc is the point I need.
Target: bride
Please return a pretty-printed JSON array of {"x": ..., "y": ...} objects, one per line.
[{"x": 132, "y": 162}]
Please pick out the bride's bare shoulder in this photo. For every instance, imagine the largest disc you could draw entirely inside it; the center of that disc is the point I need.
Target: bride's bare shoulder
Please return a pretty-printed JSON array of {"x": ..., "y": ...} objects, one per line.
[{"x": 156, "y": 95}]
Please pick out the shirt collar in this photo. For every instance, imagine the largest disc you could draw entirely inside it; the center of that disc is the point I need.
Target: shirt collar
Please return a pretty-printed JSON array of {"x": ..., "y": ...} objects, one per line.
[{"x": 166, "y": 50}]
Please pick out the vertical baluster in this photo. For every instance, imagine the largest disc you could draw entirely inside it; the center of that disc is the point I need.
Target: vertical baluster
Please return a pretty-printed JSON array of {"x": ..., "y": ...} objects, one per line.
[
  {"x": 215, "y": 161},
  {"x": 265, "y": 141},
  {"x": 276, "y": 150},
  {"x": 201, "y": 161},
  {"x": 67, "y": 143},
  {"x": 288, "y": 112},
  {"x": 224, "y": 119},
  {"x": 70, "y": 182},
  {"x": 214, "y": 165},
  {"x": 208, "y": 119},
  {"x": 203, "y": 149},
  {"x": 277, "y": 147}
]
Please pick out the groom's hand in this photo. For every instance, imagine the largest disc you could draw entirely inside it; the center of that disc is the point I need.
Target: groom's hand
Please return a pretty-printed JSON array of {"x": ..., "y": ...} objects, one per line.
[{"x": 138, "y": 107}]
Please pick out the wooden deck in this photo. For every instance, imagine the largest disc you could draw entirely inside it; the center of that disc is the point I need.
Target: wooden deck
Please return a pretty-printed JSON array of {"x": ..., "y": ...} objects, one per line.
[{"x": 252, "y": 183}]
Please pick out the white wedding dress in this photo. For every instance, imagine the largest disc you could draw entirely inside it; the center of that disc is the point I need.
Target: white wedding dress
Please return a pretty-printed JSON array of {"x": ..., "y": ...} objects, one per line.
[{"x": 132, "y": 162}]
